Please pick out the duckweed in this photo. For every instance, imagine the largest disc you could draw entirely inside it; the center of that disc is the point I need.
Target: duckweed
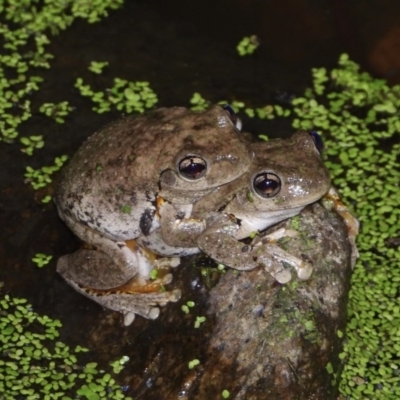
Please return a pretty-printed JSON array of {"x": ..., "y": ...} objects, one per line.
[
  {"x": 225, "y": 394},
  {"x": 39, "y": 178},
  {"x": 124, "y": 96},
  {"x": 198, "y": 103},
  {"x": 35, "y": 365},
  {"x": 97, "y": 66},
  {"x": 247, "y": 45},
  {"x": 358, "y": 116},
  {"x": 199, "y": 321},
  {"x": 31, "y": 143},
  {"x": 24, "y": 35},
  {"x": 41, "y": 259},
  {"x": 193, "y": 363},
  {"x": 56, "y": 111},
  {"x": 359, "y": 119}
]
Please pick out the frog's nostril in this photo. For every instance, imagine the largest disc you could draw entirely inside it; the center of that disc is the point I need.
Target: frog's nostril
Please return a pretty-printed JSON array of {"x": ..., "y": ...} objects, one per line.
[
  {"x": 192, "y": 167},
  {"x": 168, "y": 178},
  {"x": 267, "y": 184}
]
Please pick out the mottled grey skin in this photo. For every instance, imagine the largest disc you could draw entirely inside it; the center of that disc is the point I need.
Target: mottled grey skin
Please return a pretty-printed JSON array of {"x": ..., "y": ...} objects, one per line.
[
  {"x": 111, "y": 183},
  {"x": 304, "y": 180},
  {"x": 108, "y": 191}
]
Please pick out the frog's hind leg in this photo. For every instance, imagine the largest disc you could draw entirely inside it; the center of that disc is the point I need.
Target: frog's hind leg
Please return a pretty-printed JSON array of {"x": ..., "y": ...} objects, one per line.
[
  {"x": 130, "y": 259},
  {"x": 91, "y": 273},
  {"x": 332, "y": 201}
]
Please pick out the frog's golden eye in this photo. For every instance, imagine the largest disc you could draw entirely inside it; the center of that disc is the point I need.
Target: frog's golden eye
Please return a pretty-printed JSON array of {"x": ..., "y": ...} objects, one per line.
[
  {"x": 192, "y": 167},
  {"x": 267, "y": 184}
]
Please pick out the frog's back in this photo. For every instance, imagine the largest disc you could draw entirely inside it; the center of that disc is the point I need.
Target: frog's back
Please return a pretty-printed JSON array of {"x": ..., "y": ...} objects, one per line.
[{"x": 112, "y": 179}]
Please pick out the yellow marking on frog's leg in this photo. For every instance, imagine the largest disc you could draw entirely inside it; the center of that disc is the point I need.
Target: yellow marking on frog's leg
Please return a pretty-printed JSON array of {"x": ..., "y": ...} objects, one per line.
[
  {"x": 159, "y": 203},
  {"x": 332, "y": 201},
  {"x": 148, "y": 254}
]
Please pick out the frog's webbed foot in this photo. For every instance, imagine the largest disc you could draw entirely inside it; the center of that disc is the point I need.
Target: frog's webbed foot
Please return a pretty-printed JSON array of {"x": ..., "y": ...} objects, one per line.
[
  {"x": 130, "y": 304},
  {"x": 269, "y": 245},
  {"x": 332, "y": 201}
]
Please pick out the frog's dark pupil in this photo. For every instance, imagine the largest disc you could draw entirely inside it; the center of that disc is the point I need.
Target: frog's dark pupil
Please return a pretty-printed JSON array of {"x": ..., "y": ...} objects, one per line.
[
  {"x": 267, "y": 184},
  {"x": 192, "y": 167}
]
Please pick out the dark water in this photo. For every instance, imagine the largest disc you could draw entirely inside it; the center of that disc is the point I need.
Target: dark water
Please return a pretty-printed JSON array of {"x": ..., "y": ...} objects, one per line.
[{"x": 180, "y": 48}]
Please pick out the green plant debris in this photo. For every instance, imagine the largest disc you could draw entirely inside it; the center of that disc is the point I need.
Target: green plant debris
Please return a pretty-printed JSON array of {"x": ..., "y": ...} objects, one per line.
[
  {"x": 56, "y": 111},
  {"x": 186, "y": 307},
  {"x": 247, "y": 45},
  {"x": 154, "y": 274},
  {"x": 225, "y": 394},
  {"x": 198, "y": 103},
  {"x": 199, "y": 321},
  {"x": 46, "y": 199},
  {"x": 41, "y": 259},
  {"x": 97, "y": 66},
  {"x": 193, "y": 363},
  {"x": 123, "y": 96},
  {"x": 39, "y": 178},
  {"x": 221, "y": 267},
  {"x": 35, "y": 365},
  {"x": 119, "y": 365}
]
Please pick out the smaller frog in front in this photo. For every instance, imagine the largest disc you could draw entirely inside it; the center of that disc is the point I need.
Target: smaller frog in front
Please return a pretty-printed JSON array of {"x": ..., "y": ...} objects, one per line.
[
  {"x": 285, "y": 176},
  {"x": 107, "y": 197}
]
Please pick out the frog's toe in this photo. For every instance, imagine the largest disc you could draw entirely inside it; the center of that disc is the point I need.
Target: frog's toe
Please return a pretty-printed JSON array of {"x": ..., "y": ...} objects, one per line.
[
  {"x": 282, "y": 276},
  {"x": 304, "y": 271},
  {"x": 129, "y": 317},
  {"x": 168, "y": 262}
]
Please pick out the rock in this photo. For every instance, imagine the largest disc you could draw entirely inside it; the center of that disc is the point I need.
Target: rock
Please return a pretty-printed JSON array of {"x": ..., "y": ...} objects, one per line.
[
  {"x": 274, "y": 341},
  {"x": 261, "y": 340}
]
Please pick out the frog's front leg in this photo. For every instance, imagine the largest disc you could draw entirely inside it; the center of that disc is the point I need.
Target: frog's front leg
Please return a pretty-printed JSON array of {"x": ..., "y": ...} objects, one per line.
[
  {"x": 219, "y": 243},
  {"x": 177, "y": 227}
]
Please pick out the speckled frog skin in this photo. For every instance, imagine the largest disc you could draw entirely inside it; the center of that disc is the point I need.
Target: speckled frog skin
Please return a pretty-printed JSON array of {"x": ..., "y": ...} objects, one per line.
[
  {"x": 107, "y": 196},
  {"x": 285, "y": 176}
]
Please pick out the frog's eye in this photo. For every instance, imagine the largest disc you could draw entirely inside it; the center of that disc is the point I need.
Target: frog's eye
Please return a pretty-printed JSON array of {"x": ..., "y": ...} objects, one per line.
[
  {"x": 267, "y": 184},
  {"x": 192, "y": 167},
  {"x": 319, "y": 143},
  {"x": 232, "y": 115}
]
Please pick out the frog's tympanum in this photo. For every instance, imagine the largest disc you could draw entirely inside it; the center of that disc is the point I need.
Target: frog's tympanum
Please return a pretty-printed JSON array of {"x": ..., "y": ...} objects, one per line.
[
  {"x": 285, "y": 176},
  {"x": 107, "y": 197}
]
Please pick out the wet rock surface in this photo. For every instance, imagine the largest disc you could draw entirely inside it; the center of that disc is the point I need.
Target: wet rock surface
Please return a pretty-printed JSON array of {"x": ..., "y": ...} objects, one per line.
[
  {"x": 275, "y": 341},
  {"x": 260, "y": 340}
]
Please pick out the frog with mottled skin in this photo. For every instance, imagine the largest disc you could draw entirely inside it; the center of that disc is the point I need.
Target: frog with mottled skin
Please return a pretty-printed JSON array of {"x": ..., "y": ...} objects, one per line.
[
  {"x": 107, "y": 197},
  {"x": 285, "y": 176}
]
